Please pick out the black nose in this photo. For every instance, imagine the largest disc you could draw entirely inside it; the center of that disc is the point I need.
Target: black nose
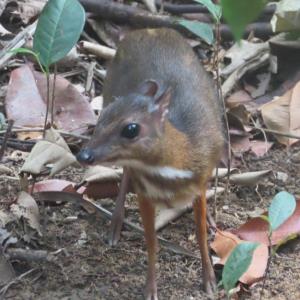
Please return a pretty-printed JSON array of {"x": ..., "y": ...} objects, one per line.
[{"x": 86, "y": 156}]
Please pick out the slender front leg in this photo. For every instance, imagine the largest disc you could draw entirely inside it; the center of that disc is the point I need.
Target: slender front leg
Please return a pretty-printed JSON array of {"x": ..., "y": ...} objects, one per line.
[
  {"x": 119, "y": 211},
  {"x": 147, "y": 211},
  {"x": 208, "y": 274}
]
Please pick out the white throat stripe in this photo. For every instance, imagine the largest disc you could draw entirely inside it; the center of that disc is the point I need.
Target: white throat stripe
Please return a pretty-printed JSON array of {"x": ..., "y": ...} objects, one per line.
[{"x": 166, "y": 172}]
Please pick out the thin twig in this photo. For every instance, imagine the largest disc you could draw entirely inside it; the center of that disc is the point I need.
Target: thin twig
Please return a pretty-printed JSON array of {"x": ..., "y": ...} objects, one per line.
[
  {"x": 218, "y": 42},
  {"x": 53, "y": 95},
  {"x": 268, "y": 265},
  {"x": 285, "y": 134},
  {"x": 16, "y": 280},
  {"x": 62, "y": 132},
  {"x": 10, "y": 124},
  {"x": 48, "y": 102},
  {"x": 262, "y": 131},
  {"x": 17, "y": 42}
]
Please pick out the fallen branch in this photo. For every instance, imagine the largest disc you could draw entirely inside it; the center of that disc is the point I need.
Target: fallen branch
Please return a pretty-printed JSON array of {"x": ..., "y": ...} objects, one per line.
[
  {"x": 195, "y": 8},
  {"x": 99, "y": 50},
  {"x": 136, "y": 17},
  {"x": 16, "y": 280},
  {"x": 29, "y": 255},
  {"x": 17, "y": 42},
  {"x": 285, "y": 134}
]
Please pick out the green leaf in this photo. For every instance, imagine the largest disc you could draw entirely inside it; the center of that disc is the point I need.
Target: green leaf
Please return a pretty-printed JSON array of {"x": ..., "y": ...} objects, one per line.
[
  {"x": 237, "y": 264},
  {"x": 239, "y": 13},
  {"x": 282, "y": 207},
  {"x": 214, "y": 9},
  {"x": 202, "y": 30},
  {"x": 28, "y": 51},
  {"x": 58, "y": 29},
  {"x": 22, "y": 50}
]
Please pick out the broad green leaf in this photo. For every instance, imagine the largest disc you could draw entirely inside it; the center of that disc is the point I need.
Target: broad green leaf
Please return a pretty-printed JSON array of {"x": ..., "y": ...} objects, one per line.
[
  {"x": 202, "y": 30},
  {"x": 239, "y": 13},
  {"x": 237, "y": 264},
  {"x": 58, "y": 29},
  {"x": 214, "y": 9},
  {"x": 282, "y": 207}
]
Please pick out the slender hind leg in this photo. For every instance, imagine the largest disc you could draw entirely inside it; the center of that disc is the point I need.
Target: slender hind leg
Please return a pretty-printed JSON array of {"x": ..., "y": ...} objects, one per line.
[{"x": 209, "y": 279}]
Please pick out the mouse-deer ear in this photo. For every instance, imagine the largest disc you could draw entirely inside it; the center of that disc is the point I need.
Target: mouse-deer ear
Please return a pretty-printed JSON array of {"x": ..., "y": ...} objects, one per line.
[
  {"x": 149, "y": 88},
  {"x": 161, "y": 104}
]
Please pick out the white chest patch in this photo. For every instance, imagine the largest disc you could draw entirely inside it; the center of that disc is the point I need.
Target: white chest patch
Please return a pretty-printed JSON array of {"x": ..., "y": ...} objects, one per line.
[{"x": 165, "y": 172}]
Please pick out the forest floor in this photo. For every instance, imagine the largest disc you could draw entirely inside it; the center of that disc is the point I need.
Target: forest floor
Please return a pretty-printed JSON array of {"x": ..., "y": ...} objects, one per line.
[{"x": 89, "y": 269}]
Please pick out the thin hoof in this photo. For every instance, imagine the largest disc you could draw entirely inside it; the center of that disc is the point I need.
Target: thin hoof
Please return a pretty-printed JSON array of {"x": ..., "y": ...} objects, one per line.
[
  {"x": 151, "y": 291},
  {"x": 113, "y": 236},
  {"x": 151, "y": 296},
  {"x": 210, "y": 285}
]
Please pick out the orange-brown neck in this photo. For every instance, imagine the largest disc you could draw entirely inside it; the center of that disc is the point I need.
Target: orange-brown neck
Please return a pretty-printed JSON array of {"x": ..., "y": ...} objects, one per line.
[{"x": 175, "y": 148}]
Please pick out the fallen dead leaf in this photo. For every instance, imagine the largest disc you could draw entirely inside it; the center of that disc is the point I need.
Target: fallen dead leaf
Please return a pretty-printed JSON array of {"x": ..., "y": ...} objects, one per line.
[
  {"x": 283, "y": 114},
  {"x": 223, "y": 245},
  {"x": 256, "y": 229},
  {"x": 240, "y": 112},
  {"x": 27, "y": 208},
  {"x": 30, "y": 9},
  {"x": 239, "y": 144},
  {"x": 237, "y": 98},
  {"x": 53, "y": 150},
  {"x": 25, "y": 102},
  {"x": 248, "y": 178},
  {"x": 51, "y": 185},
  {"x": 260, "y": 148}
]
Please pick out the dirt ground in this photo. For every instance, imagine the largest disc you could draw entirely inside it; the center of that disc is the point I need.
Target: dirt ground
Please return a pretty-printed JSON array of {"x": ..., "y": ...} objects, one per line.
[{"x": 88, "y": 268}]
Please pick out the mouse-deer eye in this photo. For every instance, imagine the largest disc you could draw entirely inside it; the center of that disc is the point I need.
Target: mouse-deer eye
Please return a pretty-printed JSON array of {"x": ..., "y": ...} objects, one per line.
[{"x": 131, "y": 130}]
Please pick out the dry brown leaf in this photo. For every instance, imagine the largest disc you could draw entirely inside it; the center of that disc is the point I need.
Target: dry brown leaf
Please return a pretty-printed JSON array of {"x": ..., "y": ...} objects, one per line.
[
  {"x": 54, "y": 150},
  {"x": 239, "y": 97},
  {"x": 223, "y": 245},
  {"x": 240, "y": 145},
  {"x": 256, "y": 229},
  {"x": 29, "y": 9},
  {"x": 51, "y": 185},
  {"x": 25, "y": 102},
  {"x": 283, "y": 114},
  {"x": 27, "y": 208},
  {"x": 248, "y": 178},
  {"x": 260, "y": 148}
]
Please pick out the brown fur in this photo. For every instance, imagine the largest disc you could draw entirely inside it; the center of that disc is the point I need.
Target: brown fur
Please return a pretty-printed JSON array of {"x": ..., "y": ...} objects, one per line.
[{"x": 184, "y": 133}]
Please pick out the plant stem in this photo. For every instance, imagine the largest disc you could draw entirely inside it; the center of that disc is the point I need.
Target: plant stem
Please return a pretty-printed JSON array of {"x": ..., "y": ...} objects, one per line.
[
  {"x": 225, "y": 119},
  {"x": 53, "y": 95},
  {"x": 48, "y": 101},
  {"x": 268, "y": 264}
]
